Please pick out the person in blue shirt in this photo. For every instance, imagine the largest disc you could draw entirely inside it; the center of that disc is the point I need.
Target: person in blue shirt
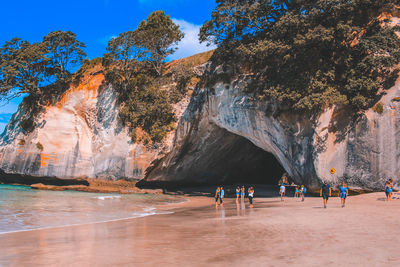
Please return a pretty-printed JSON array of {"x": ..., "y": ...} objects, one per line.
[
  {"x": 343, "y": 192},
  {"x": 221, "y": 196},
  {"x": 388, "y": 190}
]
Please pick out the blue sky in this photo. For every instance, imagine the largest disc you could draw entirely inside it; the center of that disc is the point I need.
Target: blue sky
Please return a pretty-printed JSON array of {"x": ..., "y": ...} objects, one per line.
[{"x": 95, "y": 22}]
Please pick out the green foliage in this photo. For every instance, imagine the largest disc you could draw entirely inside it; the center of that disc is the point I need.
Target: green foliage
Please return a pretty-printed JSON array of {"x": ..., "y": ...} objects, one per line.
[
  {"x": 39, "y": 146},
  {"x": 159, "y": 35},
  {"x": 134, "y": 66},
  {"x": 148, "y": 108},
  {"x": 23, "y": 68},
  {"x": 125, "y": 56},
  {"x": 64, "y": 51},
  {"x": 308, "y": 54},
  {"x": 27, "y": 68},
  {"x": 182, "y": 76},
  {"x": 378, "y": 108}
]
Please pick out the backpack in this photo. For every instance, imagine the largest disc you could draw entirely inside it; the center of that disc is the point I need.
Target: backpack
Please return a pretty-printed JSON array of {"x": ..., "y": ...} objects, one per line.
[{"x": 304, "y": 190}]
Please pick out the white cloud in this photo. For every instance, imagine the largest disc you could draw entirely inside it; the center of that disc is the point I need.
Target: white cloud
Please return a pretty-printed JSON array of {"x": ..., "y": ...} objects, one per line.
[
  {"x": 105, "y": 39},
  {"x": 190, "y": 44}
]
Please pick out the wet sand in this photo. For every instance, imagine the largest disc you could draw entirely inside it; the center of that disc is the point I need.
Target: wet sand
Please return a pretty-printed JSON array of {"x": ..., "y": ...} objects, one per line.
[{"x": 273, "y": 233}]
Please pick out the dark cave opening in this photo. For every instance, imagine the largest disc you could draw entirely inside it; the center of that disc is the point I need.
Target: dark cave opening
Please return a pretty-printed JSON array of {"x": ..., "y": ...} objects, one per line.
[
  {"x": 220, "y": 158},
  {"x": 237, "y": 161}
]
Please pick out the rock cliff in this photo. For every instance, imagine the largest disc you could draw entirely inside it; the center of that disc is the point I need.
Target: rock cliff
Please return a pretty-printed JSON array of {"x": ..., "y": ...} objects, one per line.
[
  {"x": 79, "y": 136},
  {"x": 222, "y": 136},
  {"x": 209, "y": 145}
]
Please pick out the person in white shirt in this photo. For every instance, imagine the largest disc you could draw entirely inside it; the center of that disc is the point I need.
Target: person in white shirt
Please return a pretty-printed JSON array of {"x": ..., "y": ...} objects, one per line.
[
  {"x": 251, "y": 196},
  {"x": 282, "y": 191}
]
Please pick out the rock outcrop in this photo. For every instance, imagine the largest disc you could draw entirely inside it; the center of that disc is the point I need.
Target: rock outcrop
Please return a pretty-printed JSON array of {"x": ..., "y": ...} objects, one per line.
[
  {"x": 78, "y": 137},
  {"x": 222, "y": 136},
  {"x": 362, "y": 149}
]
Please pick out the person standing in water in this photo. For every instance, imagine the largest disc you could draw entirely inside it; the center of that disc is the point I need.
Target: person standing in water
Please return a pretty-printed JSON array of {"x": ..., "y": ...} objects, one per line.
[
  {"x": 221, "y": 196},
  {"x": 237, "y": 193},
  {"x": 282, "y": 191},
  {"x": 303, "y": 191},
  {"x": 217, "y": 195},
  {"x": 343, "y": 192},
  {"x": 325, "y": 193},
  {"x": 242, "y": 192},
  {"x": 251, "y": 196}
]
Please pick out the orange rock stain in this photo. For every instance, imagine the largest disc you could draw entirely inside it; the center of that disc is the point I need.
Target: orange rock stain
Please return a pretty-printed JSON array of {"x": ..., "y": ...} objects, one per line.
[
  {"x": 89, "y": 84},
  {"x": 46, "y": 158}
]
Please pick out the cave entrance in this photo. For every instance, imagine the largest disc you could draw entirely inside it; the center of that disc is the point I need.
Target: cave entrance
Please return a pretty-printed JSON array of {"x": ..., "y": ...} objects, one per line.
[
  {"x": 215, "y": 157},
  {"x": 238, "y": 161}
]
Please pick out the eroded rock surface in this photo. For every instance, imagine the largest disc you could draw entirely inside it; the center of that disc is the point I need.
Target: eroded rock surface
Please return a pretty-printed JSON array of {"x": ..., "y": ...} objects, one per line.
[
  {"x": 79, "y": 136},
  {"x": 362, "y": 149},
  {"x": 223, "y": 136}
]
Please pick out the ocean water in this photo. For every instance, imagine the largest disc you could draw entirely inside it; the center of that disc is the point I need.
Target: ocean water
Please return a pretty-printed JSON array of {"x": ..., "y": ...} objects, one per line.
[{"x": 23, "y": 208}]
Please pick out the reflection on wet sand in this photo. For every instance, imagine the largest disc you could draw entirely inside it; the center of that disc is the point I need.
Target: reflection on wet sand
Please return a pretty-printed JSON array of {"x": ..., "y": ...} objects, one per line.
[{"x": 196, "y": 236}]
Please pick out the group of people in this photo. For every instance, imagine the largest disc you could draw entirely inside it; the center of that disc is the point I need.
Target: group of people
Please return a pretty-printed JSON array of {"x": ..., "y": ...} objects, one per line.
[
  {"x": 240, "y": 194},
  {"x": 300, "y": 191},
  {"x": 326, "y": 192}
]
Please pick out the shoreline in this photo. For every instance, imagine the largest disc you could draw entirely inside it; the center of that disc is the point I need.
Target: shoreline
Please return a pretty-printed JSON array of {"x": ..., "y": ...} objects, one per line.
[
  {"x": 158, "y": 209},
  {"x": 197, "y": 233},
  {"x": 95, "y": 186}
]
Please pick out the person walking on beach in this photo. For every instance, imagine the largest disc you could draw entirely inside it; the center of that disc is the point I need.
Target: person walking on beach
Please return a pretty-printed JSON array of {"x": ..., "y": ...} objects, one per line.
[
  {"x": 296, "y": 192},
  {"x": 221, "y": 196},
  {"x": 388, "y": 190},
  {"x": 242, "y": 192},
  {"x": 282, "y": 191},
  {"x": 303, "y": 191},
  {"x": 217, "y": 195},
  {"x": 343, "y": 192},
  {"x": 251, "y": 195},
  {"x": 237, "y": 193},
  {"x": 325, "y": 193}
]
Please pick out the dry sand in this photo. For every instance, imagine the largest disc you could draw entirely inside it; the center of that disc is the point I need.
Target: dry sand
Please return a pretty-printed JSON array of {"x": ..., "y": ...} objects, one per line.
[{"x": 273, "y": 233}]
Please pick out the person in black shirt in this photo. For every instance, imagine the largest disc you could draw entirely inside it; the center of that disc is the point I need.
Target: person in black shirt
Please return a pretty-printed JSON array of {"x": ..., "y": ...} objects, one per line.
[{"x": 326, "y": 192}]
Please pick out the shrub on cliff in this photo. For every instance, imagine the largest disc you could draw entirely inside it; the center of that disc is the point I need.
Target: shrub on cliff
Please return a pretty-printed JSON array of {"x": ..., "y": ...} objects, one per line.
[
  {"x": 308, "y": 54},
  {"x": 134, "y": 65}
]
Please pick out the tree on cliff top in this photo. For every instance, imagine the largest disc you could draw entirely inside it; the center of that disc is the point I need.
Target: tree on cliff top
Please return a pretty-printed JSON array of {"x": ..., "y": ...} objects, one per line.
[
  {"x": 159, "y": 35},
  {"x": 23, "y": 68},
  {"x": 125, "y": 56},
  {"x": 142, "y": 49},
  {"x": 65, "y": 52},
  {"x": 309, "y": 54},
  {"x": 27, "y": 68},
  {"x": 134, "y": 66}
]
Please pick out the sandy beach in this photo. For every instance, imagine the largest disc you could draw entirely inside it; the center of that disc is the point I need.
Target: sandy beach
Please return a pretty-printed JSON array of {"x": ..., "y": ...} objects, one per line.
[{"x": 273, "y": 233}]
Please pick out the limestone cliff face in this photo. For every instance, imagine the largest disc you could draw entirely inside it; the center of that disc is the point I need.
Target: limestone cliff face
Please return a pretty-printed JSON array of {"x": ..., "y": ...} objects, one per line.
[
  {"x": 79, "y": 136},
  {"x": 363, "y": 149},
  {"x": 222, "y": 136}
]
